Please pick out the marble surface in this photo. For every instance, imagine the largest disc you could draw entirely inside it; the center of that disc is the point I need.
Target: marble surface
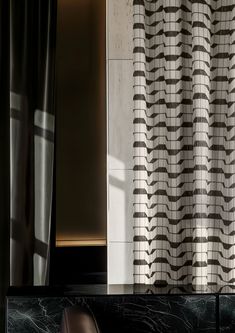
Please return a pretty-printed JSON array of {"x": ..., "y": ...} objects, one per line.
[
  {"x": 114, "y": 289},
  {"x": 140, "y": 314},
  {"x": 227, "y": 313},
  {"x": 117, "y": 289},
  {"x": 125, "y": 308}
]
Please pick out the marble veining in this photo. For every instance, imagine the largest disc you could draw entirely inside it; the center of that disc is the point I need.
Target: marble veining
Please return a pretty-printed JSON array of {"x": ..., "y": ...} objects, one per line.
[
  {"x": 227, "y": 313},
  {"x": 139, "y": 314}
]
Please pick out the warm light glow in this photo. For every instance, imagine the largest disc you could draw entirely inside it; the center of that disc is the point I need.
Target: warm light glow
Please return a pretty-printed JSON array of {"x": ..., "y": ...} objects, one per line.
[{"x": 83, "y": 242}]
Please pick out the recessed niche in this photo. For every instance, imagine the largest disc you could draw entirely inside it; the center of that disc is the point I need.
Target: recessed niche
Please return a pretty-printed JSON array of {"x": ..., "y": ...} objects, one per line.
[{"x": 80, "y": 150}]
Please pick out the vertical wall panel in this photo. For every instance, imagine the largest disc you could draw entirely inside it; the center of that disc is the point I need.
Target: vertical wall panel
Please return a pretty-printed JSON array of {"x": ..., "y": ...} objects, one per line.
[
  {"x": 120, "y": 27},
  {"x": 120, "y": 114},
  {"x": 120, "y": 267},
  {"x": 120, "y": 132},
  {"x": 120, "y": 228}
]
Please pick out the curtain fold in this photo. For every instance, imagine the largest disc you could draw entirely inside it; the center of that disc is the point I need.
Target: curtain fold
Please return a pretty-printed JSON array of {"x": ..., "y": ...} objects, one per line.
[
  {"x": 31, "y": 137},
  {"x": 5, "y": 159},
  {"x": 184, "y": 141}
]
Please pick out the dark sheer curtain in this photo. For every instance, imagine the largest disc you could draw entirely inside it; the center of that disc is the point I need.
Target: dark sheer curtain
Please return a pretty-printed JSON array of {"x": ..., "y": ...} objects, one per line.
[
  {"x": 32, "y": 49},
  {"x": 5, "y": 153}
]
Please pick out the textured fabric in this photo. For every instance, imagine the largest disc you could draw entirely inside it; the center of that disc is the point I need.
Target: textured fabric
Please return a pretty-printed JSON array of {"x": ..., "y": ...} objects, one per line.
[
  {"x": 184, "y": 117},
  {"x": 32, "y": 138},
  {"x": 4, "y": 161}
]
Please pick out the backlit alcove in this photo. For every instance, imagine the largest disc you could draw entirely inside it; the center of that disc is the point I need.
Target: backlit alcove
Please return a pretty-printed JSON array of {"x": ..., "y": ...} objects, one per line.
[{"x": 80, "y": 148}]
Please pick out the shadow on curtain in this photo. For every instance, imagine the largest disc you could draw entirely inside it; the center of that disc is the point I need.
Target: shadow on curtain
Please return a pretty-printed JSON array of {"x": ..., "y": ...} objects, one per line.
[
  {"x": 32, "y": 49},
  {"x": 5, "y": 158}
]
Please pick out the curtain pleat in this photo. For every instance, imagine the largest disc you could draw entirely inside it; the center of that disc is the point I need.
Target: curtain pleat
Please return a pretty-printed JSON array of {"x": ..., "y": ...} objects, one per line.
[
  {"x": 32, "y": 138},
  {"x": 5, "y": 159},
  {"x": 184, "y": 141}
]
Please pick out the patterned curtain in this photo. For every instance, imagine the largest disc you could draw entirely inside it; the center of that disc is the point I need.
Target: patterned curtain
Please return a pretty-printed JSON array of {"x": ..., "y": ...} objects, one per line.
[
  {"x": 184, "y": 141},
  {"x": 31, "y": 138}
]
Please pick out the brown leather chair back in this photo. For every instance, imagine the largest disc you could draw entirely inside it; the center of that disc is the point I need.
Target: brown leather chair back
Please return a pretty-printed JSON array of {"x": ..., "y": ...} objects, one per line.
[{"x": 78, "y": 320}]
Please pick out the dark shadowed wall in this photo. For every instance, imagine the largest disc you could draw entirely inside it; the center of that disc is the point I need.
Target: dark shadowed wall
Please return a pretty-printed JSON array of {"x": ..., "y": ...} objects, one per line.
[{"x": 81, "y": 122}]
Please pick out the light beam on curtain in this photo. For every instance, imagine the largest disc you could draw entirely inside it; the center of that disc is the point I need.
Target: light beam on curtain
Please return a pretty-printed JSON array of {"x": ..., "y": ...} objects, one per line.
[
  {"x": 184, "y": 141},
  {"x": 32, "y": 138}
]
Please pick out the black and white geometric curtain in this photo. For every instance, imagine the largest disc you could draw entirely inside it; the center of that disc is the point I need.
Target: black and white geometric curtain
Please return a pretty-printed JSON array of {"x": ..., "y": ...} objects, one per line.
[
  {"x": 184, "y": 141},
  {"x": 32, "y": 52}
]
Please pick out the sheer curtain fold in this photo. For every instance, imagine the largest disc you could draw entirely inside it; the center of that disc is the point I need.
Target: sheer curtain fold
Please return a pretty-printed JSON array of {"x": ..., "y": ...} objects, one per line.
[
  {"x": 31, "y": 138},
  {"x": 4, "y": 161},
  {"x": 184, "y": 141}
]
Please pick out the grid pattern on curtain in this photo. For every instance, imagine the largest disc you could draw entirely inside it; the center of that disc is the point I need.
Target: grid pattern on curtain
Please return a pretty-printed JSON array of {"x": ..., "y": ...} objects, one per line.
[{"x": 184, "y": 141}]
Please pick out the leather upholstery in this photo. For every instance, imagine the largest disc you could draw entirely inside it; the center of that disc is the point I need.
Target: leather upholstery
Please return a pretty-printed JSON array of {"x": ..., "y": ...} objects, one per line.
[{"x": 78, "y": 320}]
